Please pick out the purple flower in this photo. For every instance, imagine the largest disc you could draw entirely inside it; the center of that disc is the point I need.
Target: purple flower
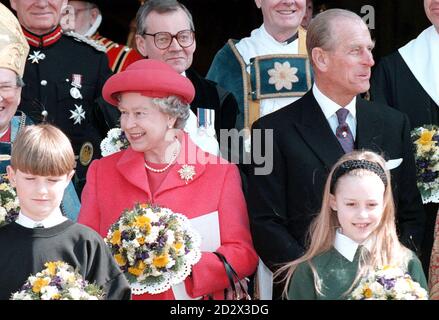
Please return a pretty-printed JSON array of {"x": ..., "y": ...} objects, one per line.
[
  {"x": 162, "y": 240},
  {"x": 387, "y": 283},
  {"x": 422, "y": 164},
  {"x": 429, "y": 176},
  {"x": 127, "y": 235},
  {"x": 26, "y": 286},
  {"x": 142, "y": 255},
  {"x": 56, "y": 281},
  {"x": 11, "y": 216}
]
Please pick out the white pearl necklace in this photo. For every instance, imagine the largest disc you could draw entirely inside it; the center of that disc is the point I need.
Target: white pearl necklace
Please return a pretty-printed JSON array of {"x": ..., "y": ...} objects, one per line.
[
  {"x": 174, "y": 156},
  {"x": 160, "y": 170}
]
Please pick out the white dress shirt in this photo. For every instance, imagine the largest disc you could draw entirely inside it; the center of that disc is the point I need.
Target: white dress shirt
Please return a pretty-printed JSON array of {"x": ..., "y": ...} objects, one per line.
[
  {"x": 330, "y": 108},
  {"x": 52, "y": 220}
]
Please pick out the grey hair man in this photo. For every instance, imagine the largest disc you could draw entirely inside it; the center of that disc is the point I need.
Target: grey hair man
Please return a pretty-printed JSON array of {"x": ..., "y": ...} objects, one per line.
[
  {"x": 311, "y": 134},
  {"x": 165, "y": 31}
]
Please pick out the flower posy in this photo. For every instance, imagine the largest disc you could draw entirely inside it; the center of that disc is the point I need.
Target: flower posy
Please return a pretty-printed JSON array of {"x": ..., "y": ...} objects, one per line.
[
  {"x": 155, "y": 247},
  {"x": 58, "y": 281},
  {"x": 388, "y": 283},
  {"x": 115, "y": 141},
  {"x": 426, "y": 141},
  {"x": 9, "y": 202}
]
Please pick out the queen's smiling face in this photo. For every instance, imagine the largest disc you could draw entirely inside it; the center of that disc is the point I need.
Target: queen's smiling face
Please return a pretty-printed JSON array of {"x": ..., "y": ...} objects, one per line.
[{"x": 144, "y": 124}]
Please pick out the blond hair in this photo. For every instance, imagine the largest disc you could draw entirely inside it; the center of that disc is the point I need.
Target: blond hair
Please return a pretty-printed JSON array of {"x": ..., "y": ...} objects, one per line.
[
  {"x": 42, "y": 150},
  {"x": 386, "y": 248}
]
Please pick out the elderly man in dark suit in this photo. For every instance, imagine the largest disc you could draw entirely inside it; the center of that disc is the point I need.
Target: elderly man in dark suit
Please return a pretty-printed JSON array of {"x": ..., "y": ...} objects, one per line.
[{"x": 311, "y": 134}]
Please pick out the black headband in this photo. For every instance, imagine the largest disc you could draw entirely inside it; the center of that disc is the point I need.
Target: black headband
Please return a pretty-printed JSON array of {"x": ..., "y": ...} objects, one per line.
[{"x": 351, "y": 165}]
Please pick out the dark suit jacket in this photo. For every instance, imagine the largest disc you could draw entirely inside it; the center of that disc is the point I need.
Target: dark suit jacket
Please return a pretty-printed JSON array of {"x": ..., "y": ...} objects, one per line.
[{"x": 282, "y": 204}]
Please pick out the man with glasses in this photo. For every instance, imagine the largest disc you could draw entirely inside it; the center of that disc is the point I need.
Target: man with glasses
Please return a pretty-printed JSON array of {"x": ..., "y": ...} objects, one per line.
[
  {"x": 165, "y": 31},
  {"x": 87, "y": 19}
]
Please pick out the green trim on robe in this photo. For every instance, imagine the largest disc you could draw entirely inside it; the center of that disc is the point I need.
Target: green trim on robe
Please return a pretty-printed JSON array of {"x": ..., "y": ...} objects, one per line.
[{"x": 337, "y": 275}]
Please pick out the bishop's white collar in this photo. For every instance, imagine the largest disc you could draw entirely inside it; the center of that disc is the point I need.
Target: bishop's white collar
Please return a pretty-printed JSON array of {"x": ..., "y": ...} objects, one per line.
[
  {"x": 422, "y": 57},
  {"x": 262, "y": 43}
]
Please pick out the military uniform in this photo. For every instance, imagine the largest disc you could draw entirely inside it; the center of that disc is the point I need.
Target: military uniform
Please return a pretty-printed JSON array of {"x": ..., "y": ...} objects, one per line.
[
  {"x": 64, "y": 76},
  {"x": 119, "y": 56}
]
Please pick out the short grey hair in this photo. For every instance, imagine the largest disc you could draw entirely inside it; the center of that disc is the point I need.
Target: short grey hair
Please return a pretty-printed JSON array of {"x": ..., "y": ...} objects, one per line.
[
  {"x": 19, "y": 82},
  {"x": 320, "y": 33},
  {"x": 160, "y": 6},
  {"x": 174, "y": 107}
]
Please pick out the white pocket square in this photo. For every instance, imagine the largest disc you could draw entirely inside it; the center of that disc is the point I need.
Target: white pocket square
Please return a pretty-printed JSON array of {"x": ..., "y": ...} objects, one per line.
[{"x": 393, "y": 163}]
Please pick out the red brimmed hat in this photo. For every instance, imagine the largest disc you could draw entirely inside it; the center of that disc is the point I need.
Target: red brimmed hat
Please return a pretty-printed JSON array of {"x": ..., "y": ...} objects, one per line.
[{"x": 152, "y": 78}]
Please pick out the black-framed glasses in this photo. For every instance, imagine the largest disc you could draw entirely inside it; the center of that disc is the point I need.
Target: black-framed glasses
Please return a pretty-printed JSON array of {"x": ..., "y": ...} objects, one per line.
[{"x": 163, "y": 40}]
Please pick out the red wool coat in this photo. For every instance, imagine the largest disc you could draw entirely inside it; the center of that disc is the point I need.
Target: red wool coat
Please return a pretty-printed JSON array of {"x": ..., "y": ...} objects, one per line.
[{"x": 117, "y": 182}]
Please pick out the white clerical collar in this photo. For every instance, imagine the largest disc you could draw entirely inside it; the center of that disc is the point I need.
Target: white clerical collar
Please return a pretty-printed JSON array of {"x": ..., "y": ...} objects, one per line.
[
  {"x": 348, "y": 247},
  {"x": 262, "y": 43},
  {"x": 422, "y": 57},
  {"x": 52, "y": 220},
  {"x": 329, "y": 107},
  {"x": 272, "y": 39}
]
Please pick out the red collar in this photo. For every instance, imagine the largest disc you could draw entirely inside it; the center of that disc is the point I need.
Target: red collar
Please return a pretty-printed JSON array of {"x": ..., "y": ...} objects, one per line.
[
  {"x": 6, "y": 137},
  {"x": 43, "y": 40}
]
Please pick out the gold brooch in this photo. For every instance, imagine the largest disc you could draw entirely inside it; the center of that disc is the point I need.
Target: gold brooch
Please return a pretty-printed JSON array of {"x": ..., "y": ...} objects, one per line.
[{"x": 187, "y": 172}]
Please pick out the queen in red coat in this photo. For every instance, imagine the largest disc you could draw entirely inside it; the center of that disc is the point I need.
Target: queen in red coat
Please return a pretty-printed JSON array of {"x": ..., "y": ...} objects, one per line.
[{"x": 154, "y": 103}]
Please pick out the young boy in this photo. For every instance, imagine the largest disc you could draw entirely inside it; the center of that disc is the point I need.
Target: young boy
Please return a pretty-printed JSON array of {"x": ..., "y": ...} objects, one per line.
[
  {"x": 42, "y": 163},
  {"x": 14, "y": 51}
]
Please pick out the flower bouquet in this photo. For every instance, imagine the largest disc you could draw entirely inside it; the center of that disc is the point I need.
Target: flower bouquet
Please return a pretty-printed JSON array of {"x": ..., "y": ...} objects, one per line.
[
  {"x": 59, "y": 281},
  {"x": 155, "y": 247},
  {"x": 388, "y": 283},
  {"x": 115, "y": 141},
  {"x": 426, "y": 141},
  {"x": 9, "y": 208}
]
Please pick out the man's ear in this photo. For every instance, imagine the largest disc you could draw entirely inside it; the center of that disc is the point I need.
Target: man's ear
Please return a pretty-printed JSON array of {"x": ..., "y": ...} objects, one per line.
[
  {"x": 94, "y": 14},
  {"x": 11, "y": 175},
  {"x": 141, "y": 45},
  {"x": 13, "y": 4},
  {"x": 320, "y": 59},
  {"x": 258, "y": 3}
]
